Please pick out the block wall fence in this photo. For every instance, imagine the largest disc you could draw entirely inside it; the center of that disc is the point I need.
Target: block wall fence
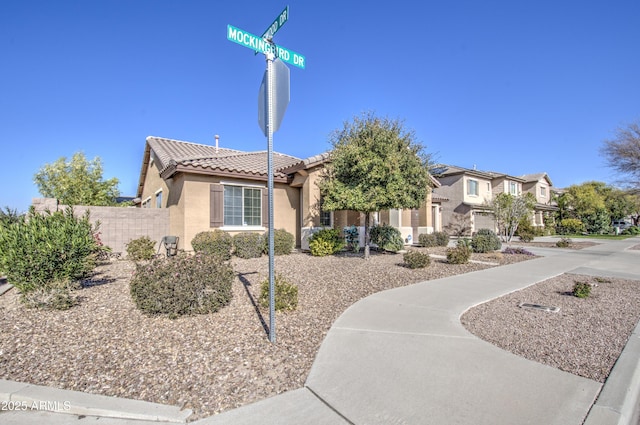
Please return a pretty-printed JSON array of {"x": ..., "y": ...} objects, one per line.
[{"x": 118, "y": 225}]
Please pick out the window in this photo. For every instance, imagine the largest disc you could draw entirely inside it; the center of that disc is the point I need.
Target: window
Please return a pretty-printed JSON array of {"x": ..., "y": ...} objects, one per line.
[
  {"x": 543, "y": 192},
  {"x": 146, "y": 203},
  {"x": 513, "y": 188},
  {"x": 325, "y": 216},
  {"x": 159, "y": 199},
  {"x": 242, "y": 206},
  {"x": 472, "y": 187}
]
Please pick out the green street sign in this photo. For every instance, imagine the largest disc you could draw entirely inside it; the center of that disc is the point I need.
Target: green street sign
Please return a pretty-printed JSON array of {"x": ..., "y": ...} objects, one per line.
[
  {"x": 277, "y": 24},
  {"x": 261, "y": 45}
]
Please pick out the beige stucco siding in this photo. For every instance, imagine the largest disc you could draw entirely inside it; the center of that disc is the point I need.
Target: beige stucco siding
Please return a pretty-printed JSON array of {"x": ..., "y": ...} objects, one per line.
[{"x": 484, "y": 191}]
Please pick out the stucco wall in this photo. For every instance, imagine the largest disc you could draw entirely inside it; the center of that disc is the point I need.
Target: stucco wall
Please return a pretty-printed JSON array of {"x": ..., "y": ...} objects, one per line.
[{"x": 118, "y": 225}]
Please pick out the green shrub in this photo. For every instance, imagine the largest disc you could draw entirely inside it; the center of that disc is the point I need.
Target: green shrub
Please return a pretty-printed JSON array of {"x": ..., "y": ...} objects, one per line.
[
  {"x": 564, "y": 243},
  {"x": 485, "y": 240},
  {"x": 442, "y": 238},
  {"x": 633, "y": 230},
  {"x": 526, "y": 232},
  {"x": 386, "y": 237},
  {"x": 286, "y": 294},
  {"x": 352, "y": 236},
  {"x": 461, "y": 254},
  {"x": 416, "y": 259},
  {"x": 184, "y": 284},
  {"x": 570, "y": 226},
  {"x": 48, "y": 247},
  {"x": 325, "y": 242},
  {"x": 142, "y": 248},
  {"x": 283, "y": 242},
  {"x": 216, "y": 242},
  {"x": 248, "y": 245},
  {"x": 581, "y": 289},
  {"x": 427, "y": 240}
]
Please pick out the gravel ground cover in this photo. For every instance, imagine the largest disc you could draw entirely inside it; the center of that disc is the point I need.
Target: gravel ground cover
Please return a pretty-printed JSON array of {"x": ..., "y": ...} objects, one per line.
[
  {"x": 585, "y": 337},
  {"x": 209, "y": 363}
]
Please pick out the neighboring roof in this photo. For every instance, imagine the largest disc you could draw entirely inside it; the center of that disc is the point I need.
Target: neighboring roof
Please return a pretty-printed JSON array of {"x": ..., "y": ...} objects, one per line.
[
  {"x": 444, "y": 170},
  {"x": 174, "y": 156},
  {"x": 307, "y": 163},
  {"x": 438, "y": 198},
  {"x": 528, "y": 178}
]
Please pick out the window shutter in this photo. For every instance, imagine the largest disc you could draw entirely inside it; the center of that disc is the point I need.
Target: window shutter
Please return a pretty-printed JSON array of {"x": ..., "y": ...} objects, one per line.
[
  {"x": 216, "y": 205},
  {"x": 265, "y": 208}
]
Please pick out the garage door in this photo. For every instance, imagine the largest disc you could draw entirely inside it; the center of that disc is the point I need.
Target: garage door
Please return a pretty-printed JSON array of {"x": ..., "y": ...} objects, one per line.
[{"x": 483, "y": 221}]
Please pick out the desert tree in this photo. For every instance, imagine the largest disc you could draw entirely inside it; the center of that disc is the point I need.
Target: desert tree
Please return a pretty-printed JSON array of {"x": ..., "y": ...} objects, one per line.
[
  {"x": 622, "y": 154},
  {"x": 77, "y": 182},
  {"x": 509, "y": 211},
  {"x": 375, "y": 164}
]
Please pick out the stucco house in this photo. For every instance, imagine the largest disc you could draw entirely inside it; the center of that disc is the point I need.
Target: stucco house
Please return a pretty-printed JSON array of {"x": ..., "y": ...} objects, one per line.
[
  {"x": 541, "y": 187},
  {"x": 470, "y": 190},
  {"x": 210, "y": 187}
]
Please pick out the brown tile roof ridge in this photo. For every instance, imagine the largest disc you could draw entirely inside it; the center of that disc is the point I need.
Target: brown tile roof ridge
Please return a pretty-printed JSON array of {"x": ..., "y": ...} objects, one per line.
[{"x": 173, "y": 152}]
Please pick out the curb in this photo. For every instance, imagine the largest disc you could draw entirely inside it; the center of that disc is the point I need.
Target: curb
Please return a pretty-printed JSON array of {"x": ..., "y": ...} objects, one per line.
[
  {"x": 30, "y": 397},
  {"x": 618, "y": 402}
]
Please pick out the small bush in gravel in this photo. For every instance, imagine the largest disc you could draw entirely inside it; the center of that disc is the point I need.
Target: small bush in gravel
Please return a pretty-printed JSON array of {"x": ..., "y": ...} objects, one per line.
[
  {"x": 182, "y": 285},
  {"x": 427, "y": 240},
  {"x": 56, "y": 295},
  {"x": 216, "y": 242},
  {"x": 283, "y": 242},
  {"x": 564, "y": 243},
  {"x": 517, "y": 250},
  {"x": 416, "y": 259},
  {"x": 461, "y": 254},
  {"x": 248, "y": 245},
  {"x": 581, "y": 289},
  {"x": 325, "y": 242},
  {"x": 286, "y": 294},
  {"x": 387, "y": 238},
  {"x": 485, "y": 240},
  {"x": 141, "y": 249},
  {"x": 433, "y": 239}
]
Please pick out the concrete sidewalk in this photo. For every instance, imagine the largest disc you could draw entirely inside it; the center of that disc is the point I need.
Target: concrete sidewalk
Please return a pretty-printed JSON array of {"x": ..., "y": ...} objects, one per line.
[{"x": 403, "y": 357}]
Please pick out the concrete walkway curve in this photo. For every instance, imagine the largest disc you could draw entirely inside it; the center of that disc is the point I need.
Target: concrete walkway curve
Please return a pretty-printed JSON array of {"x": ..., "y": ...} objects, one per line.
[{"x": 402, "y": 357}]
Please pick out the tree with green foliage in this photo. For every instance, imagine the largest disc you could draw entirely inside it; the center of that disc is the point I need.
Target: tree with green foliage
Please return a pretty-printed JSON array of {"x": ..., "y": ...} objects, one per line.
[
  {"x": 622, "y": 154},
  {"x": 77, "y": 182},
  {"x": 375, "y": 165},
  {"x": 596, "y": 205},
  {"x": 509, "y": 211}
]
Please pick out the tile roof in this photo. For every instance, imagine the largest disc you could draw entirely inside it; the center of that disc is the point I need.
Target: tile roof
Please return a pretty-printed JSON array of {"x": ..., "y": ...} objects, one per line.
[
  {"x": 442, "y": 170},
  {"x": 174, "y": 154},
  {"x": 536, "y": 177}
]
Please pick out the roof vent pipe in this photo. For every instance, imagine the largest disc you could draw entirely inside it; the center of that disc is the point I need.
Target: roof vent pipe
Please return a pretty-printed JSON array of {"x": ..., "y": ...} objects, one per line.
[{"x": 217, "y": 139}]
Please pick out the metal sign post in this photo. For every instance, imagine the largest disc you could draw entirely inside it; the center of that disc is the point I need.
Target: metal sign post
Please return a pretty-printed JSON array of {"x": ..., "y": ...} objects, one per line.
[
  {"x": 272, "y": 301},
  {"x": 276, "y": 104}
]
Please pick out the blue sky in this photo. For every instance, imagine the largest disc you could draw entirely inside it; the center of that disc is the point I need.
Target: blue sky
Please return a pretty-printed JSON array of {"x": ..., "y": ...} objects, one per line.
[{"x": 511, "y": 86}]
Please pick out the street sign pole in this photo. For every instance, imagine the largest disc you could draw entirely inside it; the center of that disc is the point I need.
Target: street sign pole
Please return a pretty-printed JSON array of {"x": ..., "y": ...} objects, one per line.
[
  {"x": 272, "y": 311},
  {"x": 270, "y": 124}
]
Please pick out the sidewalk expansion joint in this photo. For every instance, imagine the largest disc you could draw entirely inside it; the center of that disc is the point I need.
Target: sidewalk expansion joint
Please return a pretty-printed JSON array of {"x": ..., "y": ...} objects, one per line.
[{"x": 323, "y": 401}]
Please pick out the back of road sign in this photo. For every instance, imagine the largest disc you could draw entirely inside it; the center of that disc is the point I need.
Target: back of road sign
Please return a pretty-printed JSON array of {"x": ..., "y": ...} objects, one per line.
[{"x": 280, "y": 96}]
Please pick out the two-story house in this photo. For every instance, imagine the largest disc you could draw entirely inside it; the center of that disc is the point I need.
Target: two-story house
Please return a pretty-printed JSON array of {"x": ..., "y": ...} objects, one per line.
[
  {"x": 470, "y": 191},
  {"x": 541, "y": 187}
]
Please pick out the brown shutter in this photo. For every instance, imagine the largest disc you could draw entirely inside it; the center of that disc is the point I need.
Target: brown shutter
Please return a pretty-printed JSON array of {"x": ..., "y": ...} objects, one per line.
[
  {"x": 216, "y": 205},
  {"x": 265, "y": 208}
]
